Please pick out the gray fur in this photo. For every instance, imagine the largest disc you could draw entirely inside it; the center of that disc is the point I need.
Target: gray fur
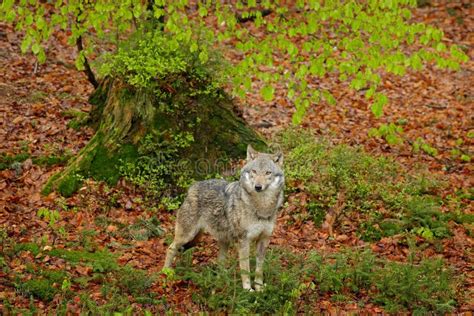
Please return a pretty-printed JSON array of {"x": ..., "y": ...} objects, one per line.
[{"x": 235, "y": 212}]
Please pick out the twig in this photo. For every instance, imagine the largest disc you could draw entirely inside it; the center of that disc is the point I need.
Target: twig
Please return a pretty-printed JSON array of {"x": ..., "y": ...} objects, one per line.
[{"x": 87, "y": 68}]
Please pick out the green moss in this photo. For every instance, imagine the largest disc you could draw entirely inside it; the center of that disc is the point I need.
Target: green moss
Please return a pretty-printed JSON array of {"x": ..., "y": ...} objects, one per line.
[
  {"x": 104, "y": 164},
  {"x": 51, "y": 160},
  {"x": 69, "y": 185},
  {"x": 48, "y": 187}
]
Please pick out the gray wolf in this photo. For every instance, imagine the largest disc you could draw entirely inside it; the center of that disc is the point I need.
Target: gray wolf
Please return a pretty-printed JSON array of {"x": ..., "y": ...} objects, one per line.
[{"x": 243, "y": 211}]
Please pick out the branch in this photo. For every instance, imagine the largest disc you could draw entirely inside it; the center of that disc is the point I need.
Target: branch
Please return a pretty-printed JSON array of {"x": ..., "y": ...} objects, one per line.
[
  {"x": 87, "y": 67},
  {"x": 264, "y": 13}
]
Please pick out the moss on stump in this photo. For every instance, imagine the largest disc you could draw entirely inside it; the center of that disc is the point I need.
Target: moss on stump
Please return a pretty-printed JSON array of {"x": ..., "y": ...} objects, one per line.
[{"x": 123, "y": 116}]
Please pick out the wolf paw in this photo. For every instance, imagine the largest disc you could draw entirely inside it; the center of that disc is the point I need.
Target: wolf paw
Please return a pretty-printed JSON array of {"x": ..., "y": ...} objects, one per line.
[
  {"x": 248, "y": 288},
  {"x": 259, "y": 287}
]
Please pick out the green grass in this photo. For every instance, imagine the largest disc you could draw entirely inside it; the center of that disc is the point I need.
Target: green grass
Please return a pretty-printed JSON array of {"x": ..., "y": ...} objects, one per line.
[
  {"x": 100, "y": 261},
  {"x": 381, "y": 196},
  {"x": 428, "y": 286},
  {"x": 121, "y": 286},
  {"x": 8, "y": 161}
]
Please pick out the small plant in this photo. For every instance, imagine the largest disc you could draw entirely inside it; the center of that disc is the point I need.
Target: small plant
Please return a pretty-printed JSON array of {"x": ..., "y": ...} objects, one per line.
[
  {"x": 144, "y": 229},
  {"x": 421, "y": 144},
  {"x": 52, "y": 216},
  {"x": 391, "y": 133},
  {"x": 133, "y": 281}
]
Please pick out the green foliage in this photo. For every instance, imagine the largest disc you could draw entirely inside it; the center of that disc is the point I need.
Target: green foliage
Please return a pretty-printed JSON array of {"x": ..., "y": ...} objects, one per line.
[
  {"x": 355, "y": 39},
  {"x": 100, "y": 260},
  {"x": 422, "y": 287},
  {"x": 52, "y": 216},
  {"x": 156, "y": 169},
  {"x": 68, "y": 186},
  {"x": 133, "y": 281},
  {"x": 221, "y": 287},
  {"x": 425, "y": 287},
  {"x": 119, "y": 289},
  {"x": 51, "y": 160},
  {"x": 39, "y": 288},
  {"x": 421, "y": 144},
  {"x": 158, "y": 61},
  {"x": 381, "y": 196},
  {"x": 44, "y": 284},
  {"x": 391, "y": 133}
]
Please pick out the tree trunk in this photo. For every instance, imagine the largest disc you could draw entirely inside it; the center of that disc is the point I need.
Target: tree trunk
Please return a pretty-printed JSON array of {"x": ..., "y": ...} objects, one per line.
[{"x": 123, "y": 117}]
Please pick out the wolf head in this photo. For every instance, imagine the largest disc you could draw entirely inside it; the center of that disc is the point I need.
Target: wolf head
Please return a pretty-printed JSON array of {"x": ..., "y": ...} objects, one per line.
[{"x": 262, "y": 172}]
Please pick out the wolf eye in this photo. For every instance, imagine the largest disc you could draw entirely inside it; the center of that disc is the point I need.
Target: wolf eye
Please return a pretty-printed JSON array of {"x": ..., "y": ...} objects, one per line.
[
  {"x": 268, "y": 173},
  {"x": 254, "y": 171}
]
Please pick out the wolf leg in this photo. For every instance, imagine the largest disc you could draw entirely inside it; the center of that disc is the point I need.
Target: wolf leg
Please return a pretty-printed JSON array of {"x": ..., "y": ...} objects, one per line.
[
  {"x": 181, "y": 237},
  {"x": 262, "y": 245},
  {"x": 244, "y": 253},
  {"x": 223, "y": 249}
]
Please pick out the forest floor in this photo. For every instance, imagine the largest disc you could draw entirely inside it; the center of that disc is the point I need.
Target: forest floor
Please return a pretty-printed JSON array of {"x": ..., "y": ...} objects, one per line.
[{"x": 39, "y": 102}]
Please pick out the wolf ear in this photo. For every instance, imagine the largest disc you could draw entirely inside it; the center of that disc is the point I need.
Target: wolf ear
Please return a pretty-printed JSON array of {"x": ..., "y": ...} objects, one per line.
[
  {"x": 251, "y": 153},
  {"x": 278, "y": 158}
]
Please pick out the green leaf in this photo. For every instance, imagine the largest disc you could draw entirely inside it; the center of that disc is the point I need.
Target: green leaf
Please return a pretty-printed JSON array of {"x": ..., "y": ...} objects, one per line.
[
  {"x": 267, "y": 92},
  {"x": 203, "y": 57},
  {"x": 465, "y": 158},
  {"x": 35, "y": 48},
  {"x": 329, "y": 98},
  {"x": 379, "y": 103},
  {"x": 194, "y": 47},
  {"x": 202, "y": 11},
  {"x": 25, "y": 44}
]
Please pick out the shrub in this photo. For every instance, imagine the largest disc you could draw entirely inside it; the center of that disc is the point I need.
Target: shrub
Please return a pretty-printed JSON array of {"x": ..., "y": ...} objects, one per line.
[
  {"x": 380, "y": 196},
  {"x": 221, "y": 288},
  {"x": 419, "y": 287},
  {"x": 422, "y": 288}
]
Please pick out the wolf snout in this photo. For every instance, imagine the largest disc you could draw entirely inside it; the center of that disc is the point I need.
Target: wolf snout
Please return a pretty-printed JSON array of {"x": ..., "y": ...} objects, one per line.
[{"x": 258, "y": 187}]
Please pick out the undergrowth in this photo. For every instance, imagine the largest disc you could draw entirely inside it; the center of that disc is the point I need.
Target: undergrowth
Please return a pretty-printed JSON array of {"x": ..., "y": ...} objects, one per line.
[
  {"x": 120, "y": 286},
  {"x": 381, "y": 196},
  {"x": 421, "y": 287}
]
